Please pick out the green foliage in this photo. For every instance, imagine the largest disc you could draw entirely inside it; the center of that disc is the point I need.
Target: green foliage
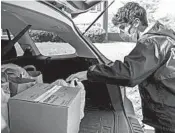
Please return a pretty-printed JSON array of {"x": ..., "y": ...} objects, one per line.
[
  {"x": 44, "y": 36},
  {"x": 96, "y": 35}
]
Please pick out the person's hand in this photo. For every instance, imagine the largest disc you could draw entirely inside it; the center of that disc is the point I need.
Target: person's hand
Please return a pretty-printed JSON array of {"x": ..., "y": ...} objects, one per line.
[{"x": 80, "y": 76}]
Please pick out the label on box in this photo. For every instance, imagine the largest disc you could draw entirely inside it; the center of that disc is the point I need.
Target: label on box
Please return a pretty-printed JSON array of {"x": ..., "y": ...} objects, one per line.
[
  {"x": 47, "y": 94},
  {"x": 59, "y": 96}
]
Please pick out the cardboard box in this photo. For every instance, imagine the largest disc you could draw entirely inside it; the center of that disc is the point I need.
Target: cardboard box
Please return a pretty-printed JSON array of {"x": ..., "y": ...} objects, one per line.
[{"x": 45, "y": 108}]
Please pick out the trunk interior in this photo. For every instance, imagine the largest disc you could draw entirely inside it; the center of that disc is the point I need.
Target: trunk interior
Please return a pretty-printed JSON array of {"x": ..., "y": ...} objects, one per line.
[
  {"x": 53, "y": 69},
  {"x": 98, "y": 110}
]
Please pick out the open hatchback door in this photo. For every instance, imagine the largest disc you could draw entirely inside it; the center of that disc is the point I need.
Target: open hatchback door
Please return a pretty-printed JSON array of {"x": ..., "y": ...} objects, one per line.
[{"x": 107, "y": 109}]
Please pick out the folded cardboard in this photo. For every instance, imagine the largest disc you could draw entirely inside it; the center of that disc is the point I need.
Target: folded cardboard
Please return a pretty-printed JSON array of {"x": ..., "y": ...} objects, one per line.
[{"x": 45, "y": 108}]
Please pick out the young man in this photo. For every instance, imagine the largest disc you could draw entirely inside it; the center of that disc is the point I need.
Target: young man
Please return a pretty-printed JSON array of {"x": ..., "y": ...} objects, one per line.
[{"x": 150, "y": 65}]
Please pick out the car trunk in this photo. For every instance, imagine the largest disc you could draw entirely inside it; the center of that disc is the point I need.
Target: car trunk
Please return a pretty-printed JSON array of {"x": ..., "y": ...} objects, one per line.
[
  {"x": 98, "y": 104},
  {"x": 104, "y": 111}
]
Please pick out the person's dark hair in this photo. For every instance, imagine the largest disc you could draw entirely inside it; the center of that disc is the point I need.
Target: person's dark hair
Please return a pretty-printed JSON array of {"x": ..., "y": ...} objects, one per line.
[{"x": 129, "y": 12}]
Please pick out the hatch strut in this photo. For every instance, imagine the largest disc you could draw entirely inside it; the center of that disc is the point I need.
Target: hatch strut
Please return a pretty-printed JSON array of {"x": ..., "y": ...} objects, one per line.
[
  {"x": 99, "y": 16},
  {"x": 8, "y": 33}
]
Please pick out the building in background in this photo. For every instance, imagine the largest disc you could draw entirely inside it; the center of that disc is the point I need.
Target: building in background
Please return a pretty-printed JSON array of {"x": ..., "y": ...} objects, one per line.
[
  {"x": 104, "y": 22},
  {"x": 85, "y": 19}
]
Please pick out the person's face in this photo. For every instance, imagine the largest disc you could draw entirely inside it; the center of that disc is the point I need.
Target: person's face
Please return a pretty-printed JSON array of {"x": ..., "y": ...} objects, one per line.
[{"x": 129, "y": 32}]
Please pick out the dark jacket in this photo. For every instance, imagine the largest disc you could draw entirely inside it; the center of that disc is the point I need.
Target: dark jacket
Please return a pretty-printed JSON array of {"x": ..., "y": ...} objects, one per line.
[{"x": 151, "y": 65}]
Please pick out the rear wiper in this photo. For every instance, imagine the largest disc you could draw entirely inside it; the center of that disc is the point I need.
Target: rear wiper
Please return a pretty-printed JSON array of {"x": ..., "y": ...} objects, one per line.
[{"x": 98, "y": 16}]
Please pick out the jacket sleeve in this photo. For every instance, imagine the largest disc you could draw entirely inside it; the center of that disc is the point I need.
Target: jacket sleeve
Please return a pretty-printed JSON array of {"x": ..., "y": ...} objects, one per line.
[{"x": 143, "y": 60}]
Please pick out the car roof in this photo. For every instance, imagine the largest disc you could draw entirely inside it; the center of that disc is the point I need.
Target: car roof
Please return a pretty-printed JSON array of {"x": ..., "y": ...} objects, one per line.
[{"x": 17, "y": 14}]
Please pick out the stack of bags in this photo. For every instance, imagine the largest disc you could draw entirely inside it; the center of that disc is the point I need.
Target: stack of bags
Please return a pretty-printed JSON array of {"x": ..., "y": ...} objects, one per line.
[{"x": 14, "y": 79}]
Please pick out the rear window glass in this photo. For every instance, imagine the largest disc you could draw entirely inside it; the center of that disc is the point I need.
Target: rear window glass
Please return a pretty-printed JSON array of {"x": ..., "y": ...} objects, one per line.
[{"x": 50, "y": 44}]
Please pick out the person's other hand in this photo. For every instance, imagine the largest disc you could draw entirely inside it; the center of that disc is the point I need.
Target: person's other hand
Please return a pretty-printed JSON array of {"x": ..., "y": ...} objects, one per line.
[{"x": 80, "y": 76}]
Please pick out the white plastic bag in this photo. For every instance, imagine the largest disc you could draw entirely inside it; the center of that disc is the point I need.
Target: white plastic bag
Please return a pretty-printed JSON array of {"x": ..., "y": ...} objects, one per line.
[
  {"x": 4, "y": 109},
  {"x": 3, "y": 123},
  {"x": 83, "y": 96},
  {"x": 5, "y": 95},
  {"x": 75, "y": 83}
]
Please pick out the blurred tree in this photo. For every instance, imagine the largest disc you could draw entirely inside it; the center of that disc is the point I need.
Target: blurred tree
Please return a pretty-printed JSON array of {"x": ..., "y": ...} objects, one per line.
[{"x": 166, "y": 13}]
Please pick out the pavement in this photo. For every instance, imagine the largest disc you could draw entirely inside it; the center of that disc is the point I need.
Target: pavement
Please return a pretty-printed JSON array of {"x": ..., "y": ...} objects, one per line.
[{"x": 115, "y": 50}]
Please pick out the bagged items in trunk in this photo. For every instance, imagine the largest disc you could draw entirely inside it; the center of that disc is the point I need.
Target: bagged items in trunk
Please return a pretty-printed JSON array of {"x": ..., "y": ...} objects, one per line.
[
  {"x": 17, "y": 77},
  {"x": 83, "y": 97},
  {"x": 75, "y": 83},
  {"x": 5, "y": 95},
  {"x": 18, "y": 85},
  {"x": 4, "y": 127},
  {"x": 37, "y": 75},
  {"x": 14, "y": 70},
  {"x": 5, "y": 83},
  {"x": 4, "y": 110},
  {"x": 14, "y": 79}
]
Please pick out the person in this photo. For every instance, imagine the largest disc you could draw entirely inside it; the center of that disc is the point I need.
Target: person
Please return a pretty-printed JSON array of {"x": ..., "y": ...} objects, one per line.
[{"x": 150, "y": 65}]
